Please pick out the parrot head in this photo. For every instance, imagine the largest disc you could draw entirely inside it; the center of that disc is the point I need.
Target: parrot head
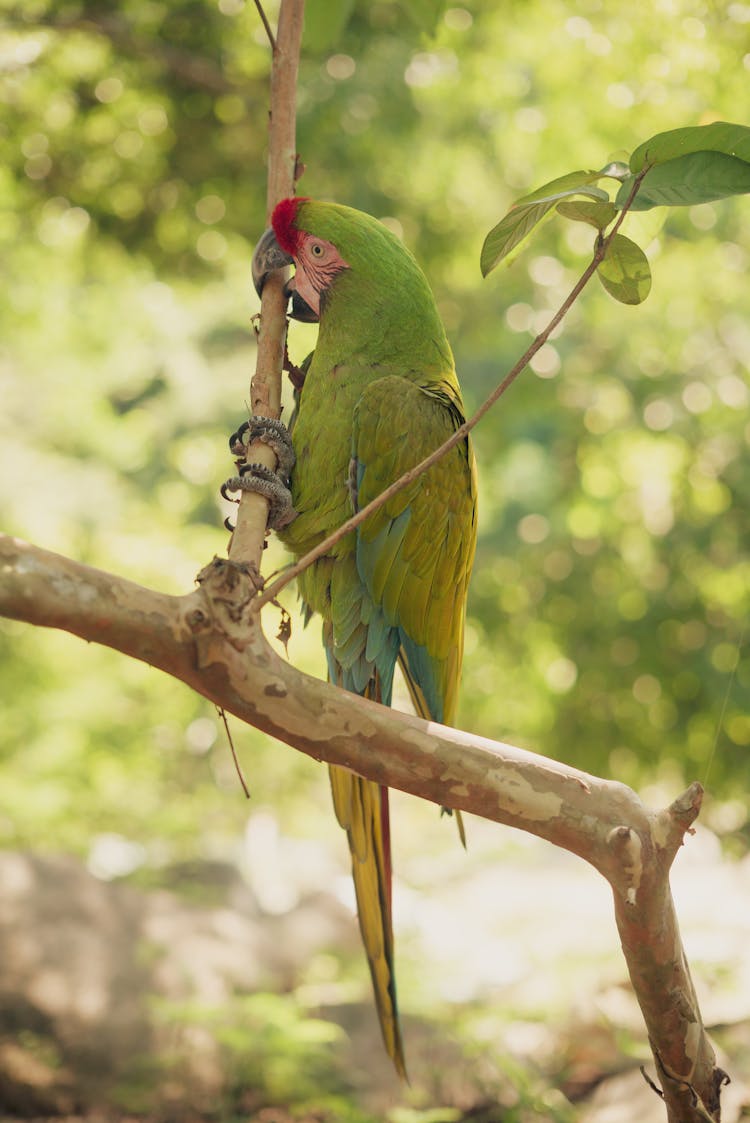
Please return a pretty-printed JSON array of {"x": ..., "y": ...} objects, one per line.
[
  {"x": 317, "y": 261},
  {"x": 351, "y": 274},
  {"x": 282, "y": 245}
]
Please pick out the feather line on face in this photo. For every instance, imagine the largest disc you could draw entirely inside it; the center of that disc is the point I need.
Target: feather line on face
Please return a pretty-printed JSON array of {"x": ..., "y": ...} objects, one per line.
[{"x": 318, "y": 263}]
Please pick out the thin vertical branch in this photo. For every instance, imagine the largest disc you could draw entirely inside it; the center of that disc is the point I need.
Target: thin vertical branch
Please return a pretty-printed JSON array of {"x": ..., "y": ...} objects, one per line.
[{"x": 265, "y": 389}]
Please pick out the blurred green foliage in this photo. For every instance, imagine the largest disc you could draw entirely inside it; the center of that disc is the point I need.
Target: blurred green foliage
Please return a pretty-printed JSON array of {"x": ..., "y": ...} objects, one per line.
[
  {"x": 612, "y": 576},
  {"x": 269, "y": 1044},
  {"x": 611, "y": 586}
]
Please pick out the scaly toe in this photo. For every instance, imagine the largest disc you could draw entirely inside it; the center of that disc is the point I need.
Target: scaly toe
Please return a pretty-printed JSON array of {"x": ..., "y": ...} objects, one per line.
[
  {"x": 270, "y": 432},
  {"x": 258, "y": 478}
]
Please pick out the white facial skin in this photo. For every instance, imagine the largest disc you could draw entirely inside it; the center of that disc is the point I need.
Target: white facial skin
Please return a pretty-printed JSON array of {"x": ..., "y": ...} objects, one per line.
[{"x": 317, "y": 262}]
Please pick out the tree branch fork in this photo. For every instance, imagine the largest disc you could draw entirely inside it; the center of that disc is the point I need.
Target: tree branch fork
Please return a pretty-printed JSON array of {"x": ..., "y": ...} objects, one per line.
[{"x": 211, "y": 639}]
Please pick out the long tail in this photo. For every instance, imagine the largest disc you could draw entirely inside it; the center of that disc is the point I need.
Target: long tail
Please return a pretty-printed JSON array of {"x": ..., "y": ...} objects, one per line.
[
  {"x": 419, "y": 702},
  {"x": 362, "y": 810}
]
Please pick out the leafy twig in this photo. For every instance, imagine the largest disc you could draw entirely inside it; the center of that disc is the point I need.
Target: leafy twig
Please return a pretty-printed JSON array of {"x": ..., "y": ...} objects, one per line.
[{"x": 462, "y": 432}]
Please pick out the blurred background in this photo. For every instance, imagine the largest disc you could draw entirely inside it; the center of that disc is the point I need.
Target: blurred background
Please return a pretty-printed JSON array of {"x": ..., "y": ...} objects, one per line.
[{"x": 167, "y": 946}]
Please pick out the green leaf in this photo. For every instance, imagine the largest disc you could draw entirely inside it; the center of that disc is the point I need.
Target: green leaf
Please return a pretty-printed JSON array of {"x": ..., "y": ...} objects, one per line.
[
  {"x": 325, "y": 23},
  {"x": 625, "y": 272},
  {"x": 721, "y": 136},
  {"x": 698, "y": 177},
  {"x": 644, "y": 226},
  {"x": 596, "y": 214},
  {"x": 616, "y": 169},
  {"x": 565, "y": 185},
  {"x": 509, "y": 233},
  {"x": 528, "y": 211}
]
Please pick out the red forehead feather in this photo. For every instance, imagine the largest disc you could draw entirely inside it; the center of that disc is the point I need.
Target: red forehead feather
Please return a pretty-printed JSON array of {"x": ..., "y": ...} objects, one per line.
[{"x": 283, "y": 221}]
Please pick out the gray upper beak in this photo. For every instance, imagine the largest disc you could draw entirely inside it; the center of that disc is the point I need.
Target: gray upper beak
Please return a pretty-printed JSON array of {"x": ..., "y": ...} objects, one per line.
[{"x": 267, "y": 257}]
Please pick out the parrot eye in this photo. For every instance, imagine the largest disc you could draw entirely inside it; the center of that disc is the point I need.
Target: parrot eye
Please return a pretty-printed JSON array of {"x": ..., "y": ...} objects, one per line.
[{"x": 316, "y": 249}]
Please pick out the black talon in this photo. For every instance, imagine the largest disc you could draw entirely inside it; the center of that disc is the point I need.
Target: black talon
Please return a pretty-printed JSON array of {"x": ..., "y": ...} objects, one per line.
[
  {"x": 258, "y": 478},
  {"x": 236, "y": 444},
  {"x": 224, "y": 492},
  {"x": 271, "y": 432}
]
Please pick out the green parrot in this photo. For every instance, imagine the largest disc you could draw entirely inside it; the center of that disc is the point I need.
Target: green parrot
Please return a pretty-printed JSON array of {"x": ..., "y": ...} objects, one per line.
[{"x": 380, "y": 393}]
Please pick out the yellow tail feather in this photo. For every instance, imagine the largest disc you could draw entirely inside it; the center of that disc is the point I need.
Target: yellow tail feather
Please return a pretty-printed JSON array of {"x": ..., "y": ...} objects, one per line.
[{"x": 357, "y": 803}]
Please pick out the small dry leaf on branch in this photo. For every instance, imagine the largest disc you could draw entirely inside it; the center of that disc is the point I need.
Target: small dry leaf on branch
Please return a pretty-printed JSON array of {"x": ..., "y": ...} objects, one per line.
[{"x": 284, "y": 633}]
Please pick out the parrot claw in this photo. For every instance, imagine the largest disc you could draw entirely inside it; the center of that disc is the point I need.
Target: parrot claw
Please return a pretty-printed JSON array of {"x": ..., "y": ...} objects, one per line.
[
  {"x": 258, "y": 478},
  {"x": 270, "y": 432}
]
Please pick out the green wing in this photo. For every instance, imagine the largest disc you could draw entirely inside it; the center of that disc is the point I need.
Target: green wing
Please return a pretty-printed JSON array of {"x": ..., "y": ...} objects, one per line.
[{"x": 415, "y": 554}]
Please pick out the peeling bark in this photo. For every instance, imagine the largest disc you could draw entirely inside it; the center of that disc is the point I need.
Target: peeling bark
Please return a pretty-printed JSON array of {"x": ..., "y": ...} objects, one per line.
[{"x": 211, "y": 640}]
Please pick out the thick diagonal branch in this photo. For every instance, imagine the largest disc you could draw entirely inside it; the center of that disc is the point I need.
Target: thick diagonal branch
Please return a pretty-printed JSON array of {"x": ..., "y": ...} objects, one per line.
[{"x": 210, "y": 640}]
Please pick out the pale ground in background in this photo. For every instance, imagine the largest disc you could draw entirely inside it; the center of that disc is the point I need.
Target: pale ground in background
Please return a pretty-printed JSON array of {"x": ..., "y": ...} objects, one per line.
[{"x": 527, "y": 931}]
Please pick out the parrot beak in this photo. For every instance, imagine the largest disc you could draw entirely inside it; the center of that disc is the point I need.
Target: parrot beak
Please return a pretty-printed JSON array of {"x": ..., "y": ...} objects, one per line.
[
  {"x": 269, "y": 256},
  {"x": 301, "y": 310}
]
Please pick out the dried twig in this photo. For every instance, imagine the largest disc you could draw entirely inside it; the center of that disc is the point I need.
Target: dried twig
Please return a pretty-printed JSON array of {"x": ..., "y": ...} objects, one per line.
[{"x": 238, "y": 769}]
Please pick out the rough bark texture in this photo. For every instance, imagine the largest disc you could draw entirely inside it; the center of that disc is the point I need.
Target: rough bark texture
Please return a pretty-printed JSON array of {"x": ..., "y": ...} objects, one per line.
[
  {"x": 265, "y": 389},
  {"x": 211, "y": 639}
]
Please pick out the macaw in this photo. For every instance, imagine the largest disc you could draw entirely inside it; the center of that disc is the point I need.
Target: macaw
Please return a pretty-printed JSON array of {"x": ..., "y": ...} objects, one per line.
[{"x": 379, "y": 394}]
